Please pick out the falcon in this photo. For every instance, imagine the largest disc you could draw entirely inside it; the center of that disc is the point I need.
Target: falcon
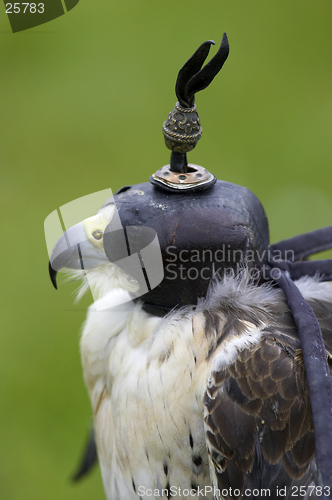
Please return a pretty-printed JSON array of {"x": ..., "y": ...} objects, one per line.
[{"x": 214, "y": 379}]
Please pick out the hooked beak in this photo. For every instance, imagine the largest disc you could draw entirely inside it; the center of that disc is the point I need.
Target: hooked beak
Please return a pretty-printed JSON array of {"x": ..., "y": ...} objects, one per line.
[{"x": 74, "y": 250}]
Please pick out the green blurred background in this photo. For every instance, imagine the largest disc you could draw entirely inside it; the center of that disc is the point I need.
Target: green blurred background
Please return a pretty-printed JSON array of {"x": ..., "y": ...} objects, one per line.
[{"x": 83, "y": 99}]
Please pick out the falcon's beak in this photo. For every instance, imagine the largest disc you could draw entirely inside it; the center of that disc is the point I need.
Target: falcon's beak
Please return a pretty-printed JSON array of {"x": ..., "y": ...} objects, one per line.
[{"x": 77, "y": 248}]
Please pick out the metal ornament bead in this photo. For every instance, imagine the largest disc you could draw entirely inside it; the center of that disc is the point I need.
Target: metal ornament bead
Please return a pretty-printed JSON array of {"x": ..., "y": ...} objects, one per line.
[{"x": 182, "y": 129}]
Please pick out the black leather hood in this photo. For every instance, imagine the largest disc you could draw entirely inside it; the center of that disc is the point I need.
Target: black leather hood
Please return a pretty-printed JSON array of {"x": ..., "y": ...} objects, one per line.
[{"x": 201, "y": 236}]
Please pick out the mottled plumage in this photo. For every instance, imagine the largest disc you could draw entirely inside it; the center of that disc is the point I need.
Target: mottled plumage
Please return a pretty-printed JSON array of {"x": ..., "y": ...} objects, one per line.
[{"x": 208, "y": 396}]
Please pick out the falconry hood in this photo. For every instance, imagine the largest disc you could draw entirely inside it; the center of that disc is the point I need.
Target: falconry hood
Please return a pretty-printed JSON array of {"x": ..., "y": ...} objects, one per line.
[{"x": 205, "y": 227}]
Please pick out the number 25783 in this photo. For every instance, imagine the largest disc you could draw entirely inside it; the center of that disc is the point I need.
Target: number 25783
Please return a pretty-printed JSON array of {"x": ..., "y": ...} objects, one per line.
[{"x": 16, "y": 8}]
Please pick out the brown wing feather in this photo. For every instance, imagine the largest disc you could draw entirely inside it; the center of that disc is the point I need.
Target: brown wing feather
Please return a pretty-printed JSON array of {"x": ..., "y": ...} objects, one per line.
[{"x": 258, "y": 410}]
